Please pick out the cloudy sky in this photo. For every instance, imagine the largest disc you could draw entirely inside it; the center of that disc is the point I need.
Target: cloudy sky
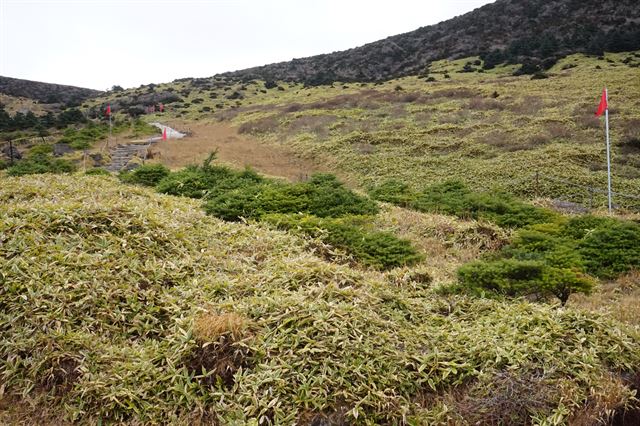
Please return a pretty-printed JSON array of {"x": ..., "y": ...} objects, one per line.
[{"x": 100, "y": 43}]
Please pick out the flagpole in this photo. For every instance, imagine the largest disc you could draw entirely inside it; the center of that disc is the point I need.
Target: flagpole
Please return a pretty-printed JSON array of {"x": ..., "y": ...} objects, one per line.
[
  {"x": 109, "y": 126},
  {"x": 606, "y": 112}
]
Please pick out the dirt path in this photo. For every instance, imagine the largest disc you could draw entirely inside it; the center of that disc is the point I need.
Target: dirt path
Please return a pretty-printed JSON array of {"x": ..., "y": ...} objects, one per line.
[{"x": 233, "y": 148}]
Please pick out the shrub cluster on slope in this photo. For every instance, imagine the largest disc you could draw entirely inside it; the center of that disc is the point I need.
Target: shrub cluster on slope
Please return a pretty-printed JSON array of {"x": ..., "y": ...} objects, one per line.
[
  {"x": 555, "y": 258},
  {"x": 455, "y": 198},
  {"x": 121, "y": 305},
  {"x": 39, "y": 163},
  {"x": 232, "y": 196},
  {"x": 549, "y": 256}
]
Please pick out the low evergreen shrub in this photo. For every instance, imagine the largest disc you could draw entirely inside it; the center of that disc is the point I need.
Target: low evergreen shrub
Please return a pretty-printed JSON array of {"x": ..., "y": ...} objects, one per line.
[
  {"x": 611, "y": 249},
  {"x": 147, "y": 175},
  {"x": 97, "y": 171},
  {"x": 514, "y": 277},
  {"x": 322, "y": 196},
  {"x": 381, "y": 250},
  {"x": 455, "y": 198},
  {"x": 41, "y": 163},
  {"x": 41, "y": 149}
]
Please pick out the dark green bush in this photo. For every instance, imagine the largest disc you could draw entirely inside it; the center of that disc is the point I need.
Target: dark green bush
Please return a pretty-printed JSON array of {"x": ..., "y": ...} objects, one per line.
[
  {"x": 554, "y": 258},
  {"x": 379, "y": 250},
  {"x": 41, "y": 149},
  {"x": 322, "y": 196},
  {"x": 328, "y": 197},
  {"x": 448, "y": 198},
  {"x": 206, "y": 181},
  {"x": 191, "y": 182},
  {"x": 611, "y": 249},
  {"x": 513, "y": 277},
  {"x": 97, "y": 171},
  {"x": 578, "y": 227},
  {"x": 147, "y": 175},
  {"x": 233, "y": 204},
  {"x": 41, "y": 163},
  {"x": 455, "y": 198},
  {"x": 85, "y": 137}
]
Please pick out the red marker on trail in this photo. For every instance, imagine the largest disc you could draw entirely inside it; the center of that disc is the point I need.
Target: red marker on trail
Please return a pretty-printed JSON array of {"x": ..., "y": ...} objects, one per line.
[{"x": 164, "y": 134}]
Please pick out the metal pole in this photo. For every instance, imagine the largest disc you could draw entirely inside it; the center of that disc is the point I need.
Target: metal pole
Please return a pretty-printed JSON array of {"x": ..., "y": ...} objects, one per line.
[{"x": 606, "y": 92}]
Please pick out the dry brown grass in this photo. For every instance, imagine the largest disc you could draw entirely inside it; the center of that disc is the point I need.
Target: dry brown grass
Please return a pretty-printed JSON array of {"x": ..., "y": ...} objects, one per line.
[
  {"x": 211, "y": 327},
  {"x": 219, "y": 356},
  {"x": 605, "y": 402},
  {"x": 529, "y": 105},
  {"x": 559, "y": 131},
  {"x": 447, "y": 242},
  {"x": 485, "y": 104},
  {"x": 234, "y": 149},
  {"x": 619, "y": 298}
]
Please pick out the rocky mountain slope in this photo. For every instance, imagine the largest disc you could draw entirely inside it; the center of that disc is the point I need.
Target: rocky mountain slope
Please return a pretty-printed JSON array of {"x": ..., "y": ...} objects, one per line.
[
  {"x": 533, "y": 32},
  {"x": 46, "y": 93}
]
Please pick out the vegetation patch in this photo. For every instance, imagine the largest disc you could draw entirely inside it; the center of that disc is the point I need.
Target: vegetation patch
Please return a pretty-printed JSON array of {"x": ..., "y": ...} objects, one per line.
[
  {"x": 455, "y": 198},
  {"x": 123, "y": 305},
  {"x": 147, "y": 175},
  {"x": 41, "y": 163},
  {"x": 381, "y": 250},
  {"x": 557, "y": 258}
]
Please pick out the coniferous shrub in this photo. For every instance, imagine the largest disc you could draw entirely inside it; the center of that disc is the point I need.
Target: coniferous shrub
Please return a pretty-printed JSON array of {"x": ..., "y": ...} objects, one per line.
[
  {"x": 381, "y": 250},
  {"x": 323, "y": 196},
  {"x": 147, "y": 175},
  {"x": 611, "y": 249},
  {"x": 97, "y": 171},
  {"x": 41, "y": 163},
  {"x": 455, "y": 198},
  {"x": 514, "y": 277}
]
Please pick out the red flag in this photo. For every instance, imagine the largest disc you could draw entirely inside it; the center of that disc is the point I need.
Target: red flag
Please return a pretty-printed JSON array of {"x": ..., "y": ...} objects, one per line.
[
  {"x": 603, "y": 104},
  {"x": 164, "y": 134},
  {"x": 108, "y": 113}
]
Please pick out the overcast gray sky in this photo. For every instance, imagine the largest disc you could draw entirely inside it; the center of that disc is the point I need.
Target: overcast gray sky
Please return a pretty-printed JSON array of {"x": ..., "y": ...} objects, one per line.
[{"x": 99, "y": 43}]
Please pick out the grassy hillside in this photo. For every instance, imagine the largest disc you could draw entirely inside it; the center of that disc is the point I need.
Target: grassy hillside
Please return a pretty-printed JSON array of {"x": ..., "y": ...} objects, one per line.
[
  {"x": 119, "y": 304},
  {"x": 490, "y": 129}
]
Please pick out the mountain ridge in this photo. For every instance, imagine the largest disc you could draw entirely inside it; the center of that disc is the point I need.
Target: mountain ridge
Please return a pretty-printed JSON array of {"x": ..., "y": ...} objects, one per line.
[
  {"x": 535, "y": 33},
  {"x": 47, "y": 93}
]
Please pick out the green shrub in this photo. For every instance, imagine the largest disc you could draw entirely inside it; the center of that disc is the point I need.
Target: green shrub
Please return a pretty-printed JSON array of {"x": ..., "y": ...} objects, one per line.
[
  {"x": 380, "y": 250},
  {"x": 189, "y": 182},
  {"x": 41, "y": 163},
  {"x": 322, "y": 196},
  {"x": 513, "y": 277},
  {"x": 455, "y": 198},
  {"x": 206, "y": 181},
  {"x": 233, "y": 204},
  {"x": 97, "y": 171},
  {"x": 329, "y": 198},
  {"x": 393, "y": 191},
  {"x": 578, "y": 227},
  {"x": 611, "y": 249},
  {"x": 147, "y": 175},
  {"x": 447, "y": 198},
  {"x": 41, "y": 149},
  {"x": 85, "y": 137}
]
